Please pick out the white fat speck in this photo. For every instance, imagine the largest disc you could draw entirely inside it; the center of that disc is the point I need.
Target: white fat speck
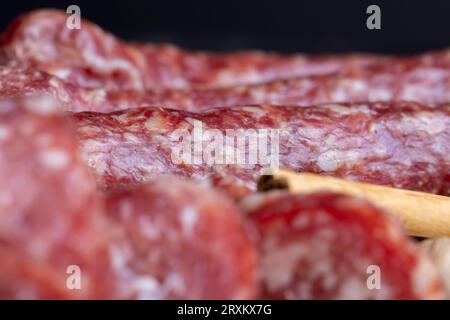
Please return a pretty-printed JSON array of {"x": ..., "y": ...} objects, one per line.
[
  {"x": 380, "y": 149},
  {"x": 121, "y": 117},
  {"x": 258, "y": 112},
  {"x": 7, "y": 106},
  {"x": 326, "y": 234},
  {"x": 321, "y": 217},
  {"x": 423, "y": 277},
  {"x": 120, "y": 257},
  {"x": 345, "y": 110},
  {"x": 229, "y": 76},
  {"x": 60, "y": 91},
  {"x": 257, "y": 94},
  {"x": 379, "y": 94},
  {"x": 4, "y": 133},
  {"x": 357, "y": 85},
  {"x": 189, "y": 217},
  {"x": 54, "y": 158},
  {"x": 147, "y": 288},
  {"x": 333, "y": 159},
  {"x": 27, "y": 291},
  {"x": 301, "y": 221},
  {"x": 174, "y": 283},
  {"x": 193, "y": 121},
  {"x": 94, "y": 96},
  {"x": 252, "y": 202},
  {"x": 329, "y": 160},
  {"x": 280, "y": 265},
  {"x": 91, "y": 144}
]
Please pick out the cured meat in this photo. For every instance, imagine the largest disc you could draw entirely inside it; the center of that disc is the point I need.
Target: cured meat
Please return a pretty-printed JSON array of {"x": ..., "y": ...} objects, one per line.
[
  {"x": 421, "y": 83},
  {"x": 376, "y": 143},
  {"x": 50, "y": 214},
  {"x": 331, "y": 246},
  {"x": 178, "y": 240},
  {"x": 90, "y": 57},
  {"x": 20, "y": 82}
]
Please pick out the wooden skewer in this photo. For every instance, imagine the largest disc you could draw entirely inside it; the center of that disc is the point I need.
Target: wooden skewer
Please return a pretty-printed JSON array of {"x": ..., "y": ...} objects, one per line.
[{"x": 423, "y": 214}]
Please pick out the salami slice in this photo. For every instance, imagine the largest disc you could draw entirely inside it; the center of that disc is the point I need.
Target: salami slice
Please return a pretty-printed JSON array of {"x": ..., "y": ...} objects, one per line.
[
  {"x": 50, "y": 215},
  {"x": 90, "y": 57},
  {"x": 178, "y": 240},
  {"x": 331, "y": 246},
  {"x": 403, "y": 145}
]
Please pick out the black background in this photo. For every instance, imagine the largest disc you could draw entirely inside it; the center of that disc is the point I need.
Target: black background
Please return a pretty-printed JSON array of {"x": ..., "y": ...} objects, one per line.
[{"x": 289, "y": 26}]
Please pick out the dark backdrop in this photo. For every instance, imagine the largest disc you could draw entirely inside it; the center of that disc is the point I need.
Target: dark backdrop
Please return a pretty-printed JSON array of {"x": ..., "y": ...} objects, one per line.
[{"x": 289, "y": 26}]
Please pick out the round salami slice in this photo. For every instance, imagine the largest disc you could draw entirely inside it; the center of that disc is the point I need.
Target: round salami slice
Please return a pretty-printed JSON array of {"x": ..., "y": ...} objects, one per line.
[
  {"x": 90, "y": 57},
  {"x": 51, "y": 230},
  {"x": 331, "y": 246},
  {"x": 177, "y": 240},
  {"x": 368, "y": 142}
]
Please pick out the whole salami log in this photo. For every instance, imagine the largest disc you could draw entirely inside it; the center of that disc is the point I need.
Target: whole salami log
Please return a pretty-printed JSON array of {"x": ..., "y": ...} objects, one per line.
[
  {"x": 178, "y": 240},
  {"x": 51, "y": 219},
  {"x": 421, "y": 83},
  {"x": 90, "y": 57},
  {"x": 331, "y": 246},
  {"x": 20, "y": 82},
  {"x": 403, "y": 144}
]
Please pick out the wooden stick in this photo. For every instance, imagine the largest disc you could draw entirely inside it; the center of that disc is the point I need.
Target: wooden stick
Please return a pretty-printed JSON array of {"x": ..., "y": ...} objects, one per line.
[{"x": 424, "y": 214}]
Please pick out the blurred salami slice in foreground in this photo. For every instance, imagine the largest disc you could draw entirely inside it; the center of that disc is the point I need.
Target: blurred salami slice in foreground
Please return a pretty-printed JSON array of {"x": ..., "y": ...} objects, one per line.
[
  {"x": 424, "y": 84},
  {"x": 90, "y": 57},
  {"x": 330, "y": 246}
]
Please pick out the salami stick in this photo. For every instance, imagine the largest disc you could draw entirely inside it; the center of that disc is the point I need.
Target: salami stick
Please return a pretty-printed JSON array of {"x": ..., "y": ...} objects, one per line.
[
  {"x": 51, "y": 215},
  {"x": 90, "y": 57},
  {"x": 424, "y": 215},
  {"x": 403, "y": 145}
]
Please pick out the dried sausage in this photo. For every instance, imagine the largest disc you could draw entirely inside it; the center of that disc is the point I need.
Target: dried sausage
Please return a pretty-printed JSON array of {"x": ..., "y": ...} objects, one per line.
[
  {"x": 90, "y": 57},
  {"x": 178, "y": 240},
  {"x": 50, "y": 213},
  {"x": 376, "y": 143}
]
